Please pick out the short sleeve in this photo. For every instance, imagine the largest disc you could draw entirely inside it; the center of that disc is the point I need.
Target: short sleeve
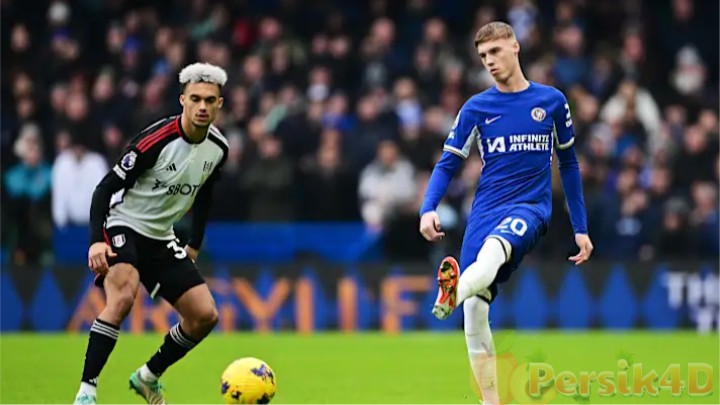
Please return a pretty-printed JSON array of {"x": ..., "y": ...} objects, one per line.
[
  {"x": 463, "y": 134},
  {"x": 132, "y": 163},
  {"x": 144, "y": 150}
]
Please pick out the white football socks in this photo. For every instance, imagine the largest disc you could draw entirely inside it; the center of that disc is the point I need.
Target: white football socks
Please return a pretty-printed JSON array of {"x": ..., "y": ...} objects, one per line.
[
  {"x": 146, "y": 374},
  {"x": 481, "y": 274},
  {"x": 88, "y": 389},
  {"x": 481, "y": 349}
]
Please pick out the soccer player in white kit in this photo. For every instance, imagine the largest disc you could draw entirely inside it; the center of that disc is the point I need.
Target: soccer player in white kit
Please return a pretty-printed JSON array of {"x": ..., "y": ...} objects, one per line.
[{"x": 167, "y": 169}]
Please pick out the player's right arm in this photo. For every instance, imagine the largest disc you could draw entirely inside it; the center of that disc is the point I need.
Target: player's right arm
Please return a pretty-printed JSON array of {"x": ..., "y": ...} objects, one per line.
[
  {"x": 139, "y": 156},
  {"x": 456, "y": 149}
]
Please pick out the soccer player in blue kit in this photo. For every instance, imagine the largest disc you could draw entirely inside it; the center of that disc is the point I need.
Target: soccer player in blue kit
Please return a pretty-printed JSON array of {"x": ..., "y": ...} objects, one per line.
[{"x": 516, "y": 125}]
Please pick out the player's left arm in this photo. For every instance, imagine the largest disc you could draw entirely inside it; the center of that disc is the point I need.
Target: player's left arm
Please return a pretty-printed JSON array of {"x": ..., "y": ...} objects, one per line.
[
  {"x": 571, "y": 180},
  {"x": 201, "y": 213}
]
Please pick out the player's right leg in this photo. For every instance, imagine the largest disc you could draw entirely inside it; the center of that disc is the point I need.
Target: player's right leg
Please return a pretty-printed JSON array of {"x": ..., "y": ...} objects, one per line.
[
  {"x": 121, "y": 285},
  {"x": 453, "y": 288},
  {"x": 447, "y": 278}
]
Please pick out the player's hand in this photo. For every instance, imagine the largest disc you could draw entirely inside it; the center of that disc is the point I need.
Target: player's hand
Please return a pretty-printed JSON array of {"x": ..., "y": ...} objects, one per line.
[
  {"x": 97, "y": 257},
  {"x": 586, "y": 248},
  {"x": 430, "y": 226},
  {"x": 193, "y": 253}
]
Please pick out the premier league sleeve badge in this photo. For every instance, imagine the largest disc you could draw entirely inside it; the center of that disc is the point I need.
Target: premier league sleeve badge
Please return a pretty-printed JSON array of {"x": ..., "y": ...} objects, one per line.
[{"x": 128, "y": 161}]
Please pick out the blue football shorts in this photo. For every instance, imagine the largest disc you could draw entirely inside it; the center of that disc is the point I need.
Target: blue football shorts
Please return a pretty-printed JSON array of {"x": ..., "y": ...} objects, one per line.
[{"x": 520, "y": 226}]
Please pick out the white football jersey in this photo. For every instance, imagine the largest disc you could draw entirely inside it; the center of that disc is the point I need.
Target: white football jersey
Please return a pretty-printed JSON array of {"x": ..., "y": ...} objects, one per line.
[{"x": 163, "y": 171}]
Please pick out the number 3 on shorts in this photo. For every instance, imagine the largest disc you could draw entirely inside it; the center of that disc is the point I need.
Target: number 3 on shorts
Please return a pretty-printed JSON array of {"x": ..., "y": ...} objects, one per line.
[
  {"x": 518, "y": 226},
  {"x": 180, "y": 253}
]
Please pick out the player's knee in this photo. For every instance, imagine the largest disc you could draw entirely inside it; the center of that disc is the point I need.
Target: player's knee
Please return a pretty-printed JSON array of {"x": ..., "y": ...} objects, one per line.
[
  {"x": 478, "y": 307},
  {"x": 206, "y": 319},
  {"x": 477, "y": 313},
  {"x": 121, "y": 287},
  {"x": 212, "y": 317},
  {"x": 119, "y": 305}
]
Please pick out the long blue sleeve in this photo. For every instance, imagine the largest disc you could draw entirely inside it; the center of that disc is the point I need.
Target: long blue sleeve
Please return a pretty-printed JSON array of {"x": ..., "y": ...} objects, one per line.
[
  {"x": 573, "y": 188},
  {"x": 439, "y": 180}
]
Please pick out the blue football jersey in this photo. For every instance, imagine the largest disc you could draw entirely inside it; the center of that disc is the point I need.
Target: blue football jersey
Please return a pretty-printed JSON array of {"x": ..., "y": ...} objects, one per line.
[{"x": 515, "y": 134}]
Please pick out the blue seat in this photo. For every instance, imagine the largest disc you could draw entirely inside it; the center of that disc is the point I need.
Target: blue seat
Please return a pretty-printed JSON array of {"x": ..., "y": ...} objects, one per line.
[{"x": 70, "y": 245}]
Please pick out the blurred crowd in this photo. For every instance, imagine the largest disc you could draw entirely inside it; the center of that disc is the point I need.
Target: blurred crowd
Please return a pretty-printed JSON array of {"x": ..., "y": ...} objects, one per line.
[{"x": 336, "y": 110}]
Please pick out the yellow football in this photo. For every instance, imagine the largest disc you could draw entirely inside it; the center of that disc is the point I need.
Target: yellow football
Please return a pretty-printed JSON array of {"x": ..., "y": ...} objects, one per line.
[{"x": 248, "y": 381}]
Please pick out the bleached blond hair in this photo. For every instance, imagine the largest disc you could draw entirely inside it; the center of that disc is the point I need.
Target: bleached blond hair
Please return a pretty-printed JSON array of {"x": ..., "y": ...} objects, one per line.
[{"x": 203, "y": 73}]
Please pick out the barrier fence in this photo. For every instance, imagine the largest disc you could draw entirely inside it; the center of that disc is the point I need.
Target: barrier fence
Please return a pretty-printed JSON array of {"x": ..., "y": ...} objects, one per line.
[{"x": 388, "y": 297}]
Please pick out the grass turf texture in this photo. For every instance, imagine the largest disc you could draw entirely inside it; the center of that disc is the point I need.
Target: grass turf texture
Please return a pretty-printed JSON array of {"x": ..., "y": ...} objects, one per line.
[{"x": 338, "y": 368}]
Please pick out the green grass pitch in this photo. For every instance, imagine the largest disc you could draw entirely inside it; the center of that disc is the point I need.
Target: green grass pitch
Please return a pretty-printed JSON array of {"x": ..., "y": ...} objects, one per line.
[{"x": 344, "y": 368}]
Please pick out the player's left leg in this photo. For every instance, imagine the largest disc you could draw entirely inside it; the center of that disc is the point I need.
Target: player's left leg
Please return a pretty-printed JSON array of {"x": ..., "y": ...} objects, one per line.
[
  {"x": 198, "y": 318},
  {"x": 175, "y": 278}
]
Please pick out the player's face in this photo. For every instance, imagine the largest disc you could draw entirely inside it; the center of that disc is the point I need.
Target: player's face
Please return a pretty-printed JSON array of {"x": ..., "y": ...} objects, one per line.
[
  {"x": 201, "y": 102},
  {"x": 500, "y": 57}
]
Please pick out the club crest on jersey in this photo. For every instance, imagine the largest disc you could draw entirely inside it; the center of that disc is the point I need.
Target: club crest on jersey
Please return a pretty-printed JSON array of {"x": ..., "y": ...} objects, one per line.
[
  {"x": 119, "y": 240},
  {"x": 538, "y": 114},
  {"x": 128, "y": 161}
]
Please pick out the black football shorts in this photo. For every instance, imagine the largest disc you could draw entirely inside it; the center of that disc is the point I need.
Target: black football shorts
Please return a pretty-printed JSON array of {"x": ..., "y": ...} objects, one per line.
[{"x": 165, "y": 268}]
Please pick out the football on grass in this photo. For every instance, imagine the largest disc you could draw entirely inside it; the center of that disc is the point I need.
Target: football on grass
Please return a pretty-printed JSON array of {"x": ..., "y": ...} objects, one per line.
[{"x": 248, "y": 381}]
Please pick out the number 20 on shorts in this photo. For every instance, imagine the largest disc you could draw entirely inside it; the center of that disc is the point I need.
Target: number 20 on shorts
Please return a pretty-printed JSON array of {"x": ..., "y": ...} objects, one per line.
[{"x": 518, "y": 226}]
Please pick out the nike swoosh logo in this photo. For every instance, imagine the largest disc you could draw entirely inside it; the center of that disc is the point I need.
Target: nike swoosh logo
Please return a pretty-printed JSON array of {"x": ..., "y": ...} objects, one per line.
[{"x": 491, "y": 120}]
